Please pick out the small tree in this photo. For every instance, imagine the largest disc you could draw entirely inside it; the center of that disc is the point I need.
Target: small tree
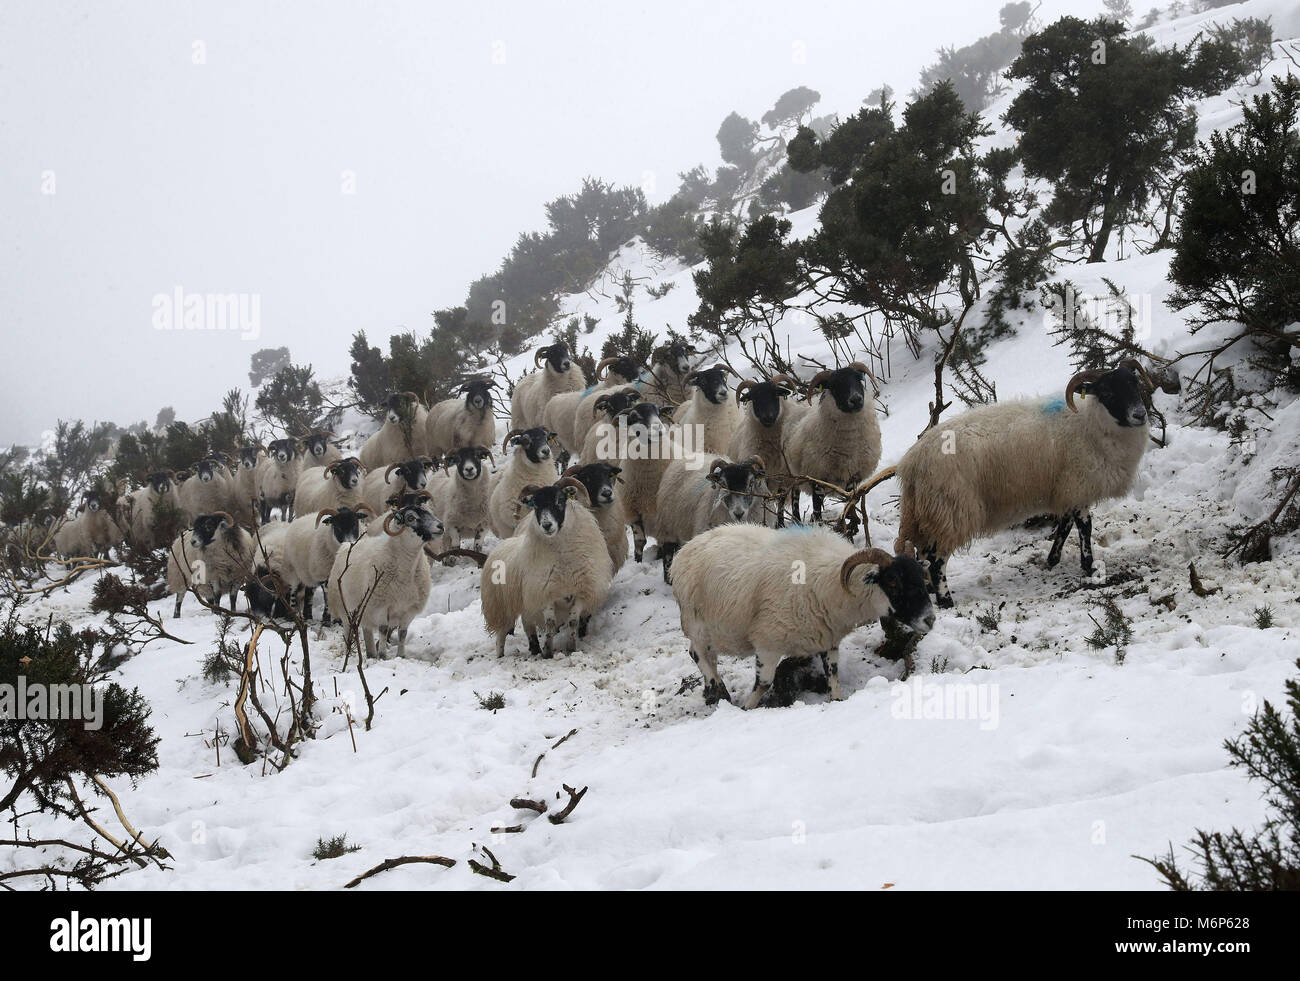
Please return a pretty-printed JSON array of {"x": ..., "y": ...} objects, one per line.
[
  {"x": 267, "y": 363},
  {"x": 292, "y": 399}
]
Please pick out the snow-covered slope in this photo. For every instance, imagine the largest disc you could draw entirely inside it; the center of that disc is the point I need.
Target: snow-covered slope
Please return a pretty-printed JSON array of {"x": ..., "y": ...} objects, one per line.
[{"x": 1049, "y": 766}]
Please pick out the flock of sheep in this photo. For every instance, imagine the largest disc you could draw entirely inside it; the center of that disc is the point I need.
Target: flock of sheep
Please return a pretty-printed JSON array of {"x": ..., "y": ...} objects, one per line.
[{"x": 674, "y": 452}]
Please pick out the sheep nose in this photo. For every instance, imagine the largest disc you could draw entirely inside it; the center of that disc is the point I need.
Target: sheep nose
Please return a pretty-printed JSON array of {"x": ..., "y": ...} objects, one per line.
[{"x": 928, "y": 620}]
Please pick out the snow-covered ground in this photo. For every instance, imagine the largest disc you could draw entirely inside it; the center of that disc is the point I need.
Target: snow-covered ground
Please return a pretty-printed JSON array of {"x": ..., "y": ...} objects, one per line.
[{"x": 1066, "y": 765}]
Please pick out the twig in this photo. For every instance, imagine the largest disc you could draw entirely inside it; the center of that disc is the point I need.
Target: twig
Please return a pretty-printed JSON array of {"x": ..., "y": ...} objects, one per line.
[
  {"x": 574, "y": 797},
  {"x": 392, "y": 863}
]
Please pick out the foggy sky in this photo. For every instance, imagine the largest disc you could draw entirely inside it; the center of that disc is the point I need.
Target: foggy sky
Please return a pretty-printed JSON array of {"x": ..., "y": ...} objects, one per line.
[{"x": 206, "y": 146}]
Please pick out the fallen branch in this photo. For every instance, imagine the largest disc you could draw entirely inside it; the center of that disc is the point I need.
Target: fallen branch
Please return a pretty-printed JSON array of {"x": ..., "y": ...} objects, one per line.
[
  {"x": 495, "y": 872},
  {"x": 392, "y": 863},
  {"x": 575, "y": 796},
  {"x": 524, "y": 804}
]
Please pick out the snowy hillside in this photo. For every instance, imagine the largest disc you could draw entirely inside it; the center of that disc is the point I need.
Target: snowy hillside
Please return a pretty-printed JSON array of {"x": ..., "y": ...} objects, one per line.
[{"x": 1050, "y": 766}]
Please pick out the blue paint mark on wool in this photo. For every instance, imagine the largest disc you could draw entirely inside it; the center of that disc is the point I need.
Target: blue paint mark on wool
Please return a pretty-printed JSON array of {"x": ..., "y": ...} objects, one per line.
[{"x": 1053, "y": 406}]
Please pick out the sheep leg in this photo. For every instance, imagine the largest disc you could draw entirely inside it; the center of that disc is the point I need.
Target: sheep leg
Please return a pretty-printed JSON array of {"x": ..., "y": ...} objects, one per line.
[
  {"x": 1083, "y": 521},
  {"x": 234, "y": 597},
  {"x": 307, "y": 593},
  {"x": 638, "y": 539},
  {"x": 534, "y": 646},
  {"x": 831, "y": 665},
  {"x": 573, "y": 627},
  {"x": 401, "y": 641},
  {"x": 938, "y": 577},
  {"x": 667, "y": 552},
  {"x": 368, "y": 635},
  {"x": 1058, "y": 539},
  {"x": 551, "y": 628},
  {"x": 780, "y": 511},
  {"x": 714, "y": 689},
  {"x": 582, "y": 624},
  {"x": 764, "y": 673},
  {"x": 177, "y": 613},
  {"x": 794, "y": 505}
]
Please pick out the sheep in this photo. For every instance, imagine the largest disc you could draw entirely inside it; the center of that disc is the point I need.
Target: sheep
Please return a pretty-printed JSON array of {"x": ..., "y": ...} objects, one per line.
[
  {"x": 697, "y": 494},
  {"x": 460, "y": 497},
  {"x": 403, "y": 434},
  {"x": 336, "y": 485},
  {"x": 601, "y": 441},
  {"x": 765, "y": 410},
  {"x": 997, "y": 465},
  {"x": 216, "y": 555},
  {"x": 277, "y": 479},
  {"x": 709, "y": 410},
  {"x": 793, "y": 592},
  {"x": 243, "y": 504},
  {"x": 212, "y": 488},
  {"x": 318, "y": 451},
  {"x": 91, "y": 534},
  {"x": 530, "y": 463},
  {"x": 309, "y": 550},
  {"x": 838, "y": 439},
  {"x": 601, "y": 481},
  {"x": 555, "y": 572},
  {"x": 381, "y": 582},
  {"x": 669, "y": 365},
  {"x": 646, "y": 448},
  {"x": 159, "y": 488},
  {"x": 611, "y": 374},
  {"x": 378, "y": 486},
  {"x": 557, "y": 374},
  {"x": 457, "y": 422}
]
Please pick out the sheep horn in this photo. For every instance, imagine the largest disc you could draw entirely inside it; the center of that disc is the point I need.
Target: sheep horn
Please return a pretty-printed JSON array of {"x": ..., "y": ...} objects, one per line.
[
  {"x": 414, "y": 397},
  {"x": 1133, "y": 365},
  {"x": 528, "y": 490},
  {"x": 787, "y": 381},
  {"x": 483, "y": 451},
  {"x": 600, "y": 368},
  {"x": 361, "y": 507},
  {"x": 755, "y": 463},
  {"x": 324, "y": 513},
  {"x": 571, "y": 471},
  {"x": 689, "y": 375},
  {"x": 389, "y": 472},
  {"x": 538, "y": 355},
  {"x": 817, "y": 379},
  {"x": 599, "y": 406},
  {"x": 226, "y": 519},
  {"x": 574, "y": 482},
  {"x": 505, "y": 443},
  {"x": 332, "y": 469},
  {"x": 388, "y": 523},
  {"x": 859, "y": 366},
  {"x": 717, "y": 464},
  {"x": 868, "y": 556},
  {"x": 743, "y": 387},
  {"x": 1077, "y": 382}
]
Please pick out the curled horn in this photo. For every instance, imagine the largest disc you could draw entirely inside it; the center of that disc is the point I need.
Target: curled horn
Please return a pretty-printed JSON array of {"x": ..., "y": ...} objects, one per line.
[
  {"x": 575, "y": 482},
  {"x": 787, "y": 381},
  {"x": 599, "y": 406},
  {"x": 505, "y": 443},
  {"x": 868, "y": 556},
  {"x": 817, "y": 380},
  {"x": 539, "y": 354},
  {"x": 717, "y": 464},
  {"x": 225, "y": 517},
  {"x": 859, "y": 366},
  {"x": 389, "y": 472},
  {"x": 361, "y": 507},
  {"x": 571, "y": 471},
  {"x": 1135, "y": 366},
  {"x": 600, "y": 368},
  {"x": 324, "y": 513},
  {"x": 333, "y": 468},
  {"x": 1077, "y": 382},
  {"x": 755, "y": 463},
  {"x": 388, "y": 521},
  {"x": 689, "y": 375},
  {"x": 742, "y": 388},
  {"x": 413, "y": 397},
  {"x": 528, "y": 490}
]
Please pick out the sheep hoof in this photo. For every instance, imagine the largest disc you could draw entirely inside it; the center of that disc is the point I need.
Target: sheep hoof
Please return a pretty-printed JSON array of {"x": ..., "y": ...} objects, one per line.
[
  {"x": 944, "y": 602},
  {"x": 715, "y": 690}
]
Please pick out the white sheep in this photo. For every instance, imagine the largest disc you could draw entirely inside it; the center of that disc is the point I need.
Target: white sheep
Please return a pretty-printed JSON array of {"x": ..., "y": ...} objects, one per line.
[
  {"x": 381, "y": 583},
  {"x": 215, "y": 556},
  {"x": 394, "y": 480},
  {"x": 311, "y": 541},
  {"x": 838, "y": 439},
  {"x": 467, "y": 421},
  {"x": 698, "y": 493},
  {"x": 557, "y": 374},
  {"x": 210, "y": 489},
  {"x": 277, "y": 479},
  {"x": 554, "y": 574},
  {"x": 530, "y": 463},
  {"x": 336, "y": 485},
  {"x": 792, "y": 592},
  {"x": 997, "y": 465},
  {"x": 646, "y": 447},
  {"x": 460, "y": 497},
  {"x": 318, "y": 451},
  {"x": 709, "y": 410},
  {"x": 244, "y": 502},
  {"x": 600, "y": 444},
  {"x": 612, "y": 374},
  {"x": 601, "y": 481},
  {"x": 670, "y": 363},
  {"x": 766, "y": 410},
  {"x": 159, "y": 489},
  {"x": 403, "y": 436}
]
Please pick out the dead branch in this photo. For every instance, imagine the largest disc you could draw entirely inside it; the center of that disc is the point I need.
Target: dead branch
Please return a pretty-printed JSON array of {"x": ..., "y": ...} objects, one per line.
[
  {"x": 575, "y": 796},
  {"x": 392, "y": 863},
  {"x": 525, "y": 804},
  {"x": 495, "y": 871}
]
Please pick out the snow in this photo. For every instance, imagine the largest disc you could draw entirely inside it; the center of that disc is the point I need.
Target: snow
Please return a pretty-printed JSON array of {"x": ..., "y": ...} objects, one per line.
[{"x": 1070, "y": 765}]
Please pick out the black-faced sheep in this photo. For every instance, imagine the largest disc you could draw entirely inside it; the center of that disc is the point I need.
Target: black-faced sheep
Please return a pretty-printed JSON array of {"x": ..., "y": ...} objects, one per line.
[
  {"x": 336, "y": 485},
  {"x": 215, "y": 557},
  {"x": 601, "y": 481},
  {"x": 460, "y": 497},
  {"x": 530, "y": 463},
  {"x": 698, "y": 493},
  {"x": 766, "y": 410},
  {"x": 402, "y": 436},
  {"x": 466, "y": 420},
  {"x": 557, "y": 374},
  {"x": 707, "y": 419}
]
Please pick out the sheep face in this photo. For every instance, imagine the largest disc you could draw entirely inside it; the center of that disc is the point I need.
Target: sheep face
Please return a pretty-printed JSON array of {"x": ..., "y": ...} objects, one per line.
[
  {"x": 677, "y": 355},
  {"x": 398, "y": 405},
  {"x": 764, "y": 399},
  {"x": 616, "y": 402},
  {"x": 625, "y": 368},
  {"x": 468, "y": 461},
  {"x": 206, "y": 469},
  {"x": 248, "y": 457},
  {"x": 478, "y": 393},
  {"x": 712, "y": 382},
  {"x": 161, "y": 483},
  {"x": 535, "y": 443},
  {"x": 1121, "y": 394},
  {"x": 845, "y": 385},
  {"x": 644, "y": 422},
  {"x": 599, "y": 479},
  {"x": 347, "y": 472},
  {"x": 92, "y": 501},
  {"x": 346, "y": 524},
  {"x": 736, "y": 486},
  {"x": 419, "y": 519},
  {"x": 548, "y": 505},
  {"x": 206, "y": 527},
  {"x": 283, "y": 450},
  {"x": 413, "y": 473},
  {"x": 556, "y": 357},
  {"x": 902, "y": 580},
  {"x": 317, "y": 444}
]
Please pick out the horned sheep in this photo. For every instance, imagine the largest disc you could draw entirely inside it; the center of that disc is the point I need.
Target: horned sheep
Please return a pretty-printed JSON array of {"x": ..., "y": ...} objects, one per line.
[
  {"x": 530, "y": 463},
  {"x": 557, "y": 373}
]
